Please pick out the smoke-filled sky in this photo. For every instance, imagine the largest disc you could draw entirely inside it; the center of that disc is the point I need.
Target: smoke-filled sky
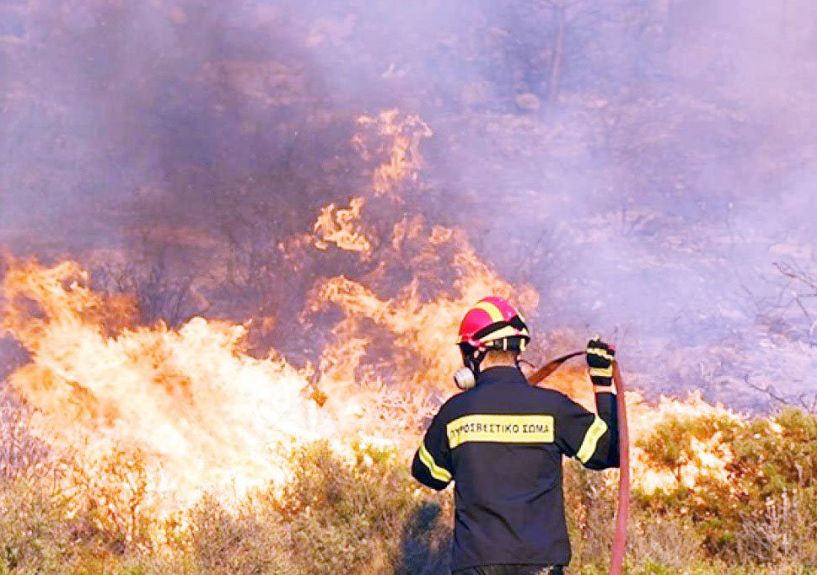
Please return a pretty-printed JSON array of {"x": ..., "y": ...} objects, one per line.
[{"x": 641, "y": 163}]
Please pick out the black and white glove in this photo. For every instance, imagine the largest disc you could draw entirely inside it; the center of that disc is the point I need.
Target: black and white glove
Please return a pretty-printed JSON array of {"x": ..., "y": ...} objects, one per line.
[{"x": 600, "y": 357}]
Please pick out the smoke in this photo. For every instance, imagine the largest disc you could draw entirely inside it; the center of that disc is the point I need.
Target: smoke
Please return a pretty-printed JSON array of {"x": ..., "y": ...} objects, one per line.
[{"x": 641, "y": 163}]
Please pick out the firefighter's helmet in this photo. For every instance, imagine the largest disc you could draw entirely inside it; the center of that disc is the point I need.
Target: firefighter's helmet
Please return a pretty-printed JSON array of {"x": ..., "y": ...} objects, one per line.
[{"x": 493, "y": 323}]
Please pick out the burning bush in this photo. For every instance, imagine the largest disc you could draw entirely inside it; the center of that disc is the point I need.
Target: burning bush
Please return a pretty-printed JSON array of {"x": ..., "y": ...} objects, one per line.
[{"x": 356, "y": 512}]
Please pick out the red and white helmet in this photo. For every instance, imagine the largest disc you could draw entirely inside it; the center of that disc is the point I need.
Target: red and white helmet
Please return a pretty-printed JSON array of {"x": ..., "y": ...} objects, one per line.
[{"x": 494, "y": 323}]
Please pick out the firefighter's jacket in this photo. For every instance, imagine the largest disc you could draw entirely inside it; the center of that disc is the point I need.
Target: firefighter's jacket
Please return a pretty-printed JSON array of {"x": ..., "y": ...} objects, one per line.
[{"x": 502, "y": 444}]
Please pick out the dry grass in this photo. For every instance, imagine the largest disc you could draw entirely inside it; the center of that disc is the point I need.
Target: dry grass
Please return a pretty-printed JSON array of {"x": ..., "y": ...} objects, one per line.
[{"x": 367, "y": 516}]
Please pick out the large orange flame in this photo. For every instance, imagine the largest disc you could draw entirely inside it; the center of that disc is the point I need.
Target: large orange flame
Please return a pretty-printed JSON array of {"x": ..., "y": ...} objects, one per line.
[
  {"x": 203, "y": 413},
  {"x": 422, "y": 329}
]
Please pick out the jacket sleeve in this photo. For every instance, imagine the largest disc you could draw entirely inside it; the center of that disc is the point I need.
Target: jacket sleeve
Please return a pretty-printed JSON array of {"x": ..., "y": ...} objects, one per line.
[
  {"x": 432, "y": 461},
  {"x": 590, "y": 438}
]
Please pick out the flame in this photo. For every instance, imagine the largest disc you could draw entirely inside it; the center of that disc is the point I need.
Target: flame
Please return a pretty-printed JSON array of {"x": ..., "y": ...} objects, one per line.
[
  {"x": 422, "y": 330},
  {"x": 403, "y": 160},
  {"x": 396, "y": 139},
  {"x": 712, "y": 454},
  {"x": 342, "y": 228},
  {"x": 200, "y": 412},
  {"x": 410, "y": 335},
  {"x": 203, "y": 413}
]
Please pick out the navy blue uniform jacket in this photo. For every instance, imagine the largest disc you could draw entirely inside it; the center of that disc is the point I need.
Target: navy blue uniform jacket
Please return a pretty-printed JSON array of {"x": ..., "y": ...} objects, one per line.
[{"x": 502, "y": 444}]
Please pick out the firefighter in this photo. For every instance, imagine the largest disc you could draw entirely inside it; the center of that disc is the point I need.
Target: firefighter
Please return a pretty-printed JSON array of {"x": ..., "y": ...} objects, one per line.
[{"x": 502, "y": 440}]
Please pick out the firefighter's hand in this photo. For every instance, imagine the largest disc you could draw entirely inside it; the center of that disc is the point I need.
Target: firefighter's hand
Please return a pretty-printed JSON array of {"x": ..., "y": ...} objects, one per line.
[{"x": 600, "y": 357}]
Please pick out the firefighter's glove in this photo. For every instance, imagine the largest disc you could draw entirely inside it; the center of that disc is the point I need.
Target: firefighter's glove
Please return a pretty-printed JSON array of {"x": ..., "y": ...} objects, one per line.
[{"x": 600, "y": 357}]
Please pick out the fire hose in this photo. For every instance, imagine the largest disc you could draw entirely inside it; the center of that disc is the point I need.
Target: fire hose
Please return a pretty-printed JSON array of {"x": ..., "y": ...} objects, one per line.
[{"x": 622, "y": 513}]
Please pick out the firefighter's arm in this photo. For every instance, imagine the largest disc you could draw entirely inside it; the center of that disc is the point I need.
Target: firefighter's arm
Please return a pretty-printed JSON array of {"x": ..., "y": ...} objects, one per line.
[
  {"x": 600, "y": 359},
  {"x": 432, "y": 461},
  {"x": 607, "y": 454},
  {"x": 590, "y": 438}
]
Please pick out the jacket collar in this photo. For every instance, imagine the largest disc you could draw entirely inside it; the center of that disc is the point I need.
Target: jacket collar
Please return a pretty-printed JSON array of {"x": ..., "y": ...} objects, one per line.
[{"x": 501, "y": 374}]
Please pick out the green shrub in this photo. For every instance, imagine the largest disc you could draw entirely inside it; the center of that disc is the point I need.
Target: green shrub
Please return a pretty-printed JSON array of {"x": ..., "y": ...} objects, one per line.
[{"x": 765, "y": 510}]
